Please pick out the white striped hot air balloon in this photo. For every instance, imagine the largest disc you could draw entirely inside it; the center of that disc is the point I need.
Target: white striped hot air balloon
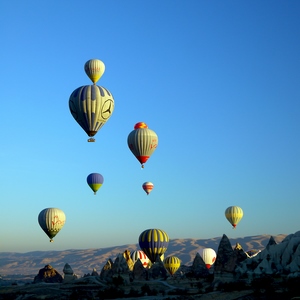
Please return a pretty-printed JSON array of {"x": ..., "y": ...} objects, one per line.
[
  {"x": 94, "y": 69},
  {"x": 51, "y": 221},
  {"x": 234, "y": 214},
  {"x": 209, "y": 256},
  {"x": 142, "y": 142},
  {"x": 91, "y": 106},
  {"x": 148, "y": 187},
  {"x": 139, "y": 254}
]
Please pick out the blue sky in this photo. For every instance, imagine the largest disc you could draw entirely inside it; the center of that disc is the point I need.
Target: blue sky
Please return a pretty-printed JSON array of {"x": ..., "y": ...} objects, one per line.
[{"x": 218, "y": 81}]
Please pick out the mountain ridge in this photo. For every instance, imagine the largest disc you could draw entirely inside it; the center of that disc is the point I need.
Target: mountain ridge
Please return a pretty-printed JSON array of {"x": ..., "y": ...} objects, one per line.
[{"x": 83, "y": 261}]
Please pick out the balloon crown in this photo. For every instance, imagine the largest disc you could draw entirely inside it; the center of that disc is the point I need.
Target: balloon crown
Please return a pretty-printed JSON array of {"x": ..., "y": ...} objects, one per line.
[{"x": 140, "y": 125}]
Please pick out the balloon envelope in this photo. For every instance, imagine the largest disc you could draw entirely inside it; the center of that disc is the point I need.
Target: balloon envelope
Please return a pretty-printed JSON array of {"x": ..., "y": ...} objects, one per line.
[
  {"x": 208, "y": 255},
  {"x": 172, "y": 264},
  {"x": 148, "y": 187},
  {"x": 95, "y": 181},
  {"x": 154, "y": 242},
  {"x": 234, "y": 214},
  {"x": 51, "y": 221},
  {"x": 142, "y": 142},
  {"x": 139, "y": 254},
  {"x": 91, "y": 106},
  {"x": 94, "y": 69}
]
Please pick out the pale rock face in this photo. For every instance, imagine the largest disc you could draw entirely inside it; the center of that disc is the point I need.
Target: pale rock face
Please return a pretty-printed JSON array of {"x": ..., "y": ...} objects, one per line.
[
  {"x": 128, "y": 259},
  {"x": 276, "y": 258},
  {"x": 69, "y": 275}
]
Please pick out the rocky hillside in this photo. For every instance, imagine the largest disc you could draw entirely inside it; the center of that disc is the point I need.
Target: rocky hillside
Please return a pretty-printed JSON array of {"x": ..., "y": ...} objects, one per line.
[{"x": 85, "y": 260}]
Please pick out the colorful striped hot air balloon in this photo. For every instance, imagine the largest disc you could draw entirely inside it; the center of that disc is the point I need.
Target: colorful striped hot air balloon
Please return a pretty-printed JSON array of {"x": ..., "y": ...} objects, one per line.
[
  {"x": 234, "y": 214},
  {"x": 91, "y": 106},
  {"x": 209, "y": 256},
  {"x": 94, "y": 69},
  {"x": 95, "y": 181},
  {"x": 139, "y": 254},
  {"x": 154, "y": 242},
  {"x": 148, "y": 187},
  {"x": 142, "y": 142},
  {"x": 172, "y": 264},
  {"x": 51, "y": 221}
]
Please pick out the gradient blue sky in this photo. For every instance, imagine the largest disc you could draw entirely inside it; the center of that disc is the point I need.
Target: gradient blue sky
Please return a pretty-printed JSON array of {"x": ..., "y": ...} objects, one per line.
[{"x": 218, "y": 81}]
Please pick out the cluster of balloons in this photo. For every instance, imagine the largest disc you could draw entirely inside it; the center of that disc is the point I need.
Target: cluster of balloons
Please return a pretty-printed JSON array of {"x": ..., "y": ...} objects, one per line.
[{"x": 91, "y": 106}]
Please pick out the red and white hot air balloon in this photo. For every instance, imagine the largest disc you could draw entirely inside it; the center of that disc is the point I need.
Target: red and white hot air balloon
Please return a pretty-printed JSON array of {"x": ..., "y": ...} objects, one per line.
[
  {"x": 209, "y": 256},
  {"x": 139, "y": 254},
  {"x": 148, "y": 187}
]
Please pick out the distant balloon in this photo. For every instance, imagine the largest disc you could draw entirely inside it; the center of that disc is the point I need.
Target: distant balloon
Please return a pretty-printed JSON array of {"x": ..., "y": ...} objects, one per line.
[
  {"x": 154, "y": 242},
  {"x": 148, "y": 187},
  {"x": 51, "y": 221},
  {"x": 95, "y": 181},
  {"x": 234, "y": 214},
  {"x": 91, "y": 106},
  {"x": 209, "y": 256},
  {"x": 94, "y": 69},
  {"x": 172, "y": 264},
  {"x": 142, "y": 142},
  {"x": 139, "y": 254}
]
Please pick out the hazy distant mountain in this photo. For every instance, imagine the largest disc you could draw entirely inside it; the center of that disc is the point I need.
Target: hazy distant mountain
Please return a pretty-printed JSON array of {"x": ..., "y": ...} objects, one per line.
[{"x": 83, "y": 261}]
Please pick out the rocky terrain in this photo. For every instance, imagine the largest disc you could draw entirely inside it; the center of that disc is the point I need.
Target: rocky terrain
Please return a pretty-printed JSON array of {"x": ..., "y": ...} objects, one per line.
[
  {"x": 272, "y": 273},
  {"x": 85, "y": 260}
]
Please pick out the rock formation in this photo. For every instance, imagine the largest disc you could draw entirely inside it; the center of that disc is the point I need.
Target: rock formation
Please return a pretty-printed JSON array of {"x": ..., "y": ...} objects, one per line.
[
  {"x": 68, "y": 273},
  {"x": 282, "y": 258},
  {"x": 106, "y": 271},
  {"x": 139, "y": 272},
  {"x": 48, "y": 275},
  {"x": 128, "y": 259},
  {"x": 198, "y": 267}
]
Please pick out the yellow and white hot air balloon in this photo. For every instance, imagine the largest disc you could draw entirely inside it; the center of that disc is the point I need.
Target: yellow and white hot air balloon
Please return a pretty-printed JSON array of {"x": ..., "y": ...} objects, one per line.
[
  {"x": 91, "y": 106},
  {"x": 52, "y": 221},
  {"x": 142, "y": 142},
  {"x": 234, "y": 214},
  {"x": 172, "y": 264},
  {"x": 94, "y": 69}
]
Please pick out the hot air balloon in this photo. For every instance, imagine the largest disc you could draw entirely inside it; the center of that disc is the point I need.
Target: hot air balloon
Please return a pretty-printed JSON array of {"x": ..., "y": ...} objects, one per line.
[
  {"x": 94, "y": 69},
  {"x": 95, "y": 181},
  {"x": 142, "y": 142},
  {"x": 209, "y": 256},
  {"x": 154, "y": 242},
  {"x": 139, "y": 254},
  {"x": 148, "y": 187},
  {"x": 234, "y": 214},
  {"x": 91, "y": 106},
  {"x": 51, "y": 221},
  {"x": 172, "y": 264}
]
